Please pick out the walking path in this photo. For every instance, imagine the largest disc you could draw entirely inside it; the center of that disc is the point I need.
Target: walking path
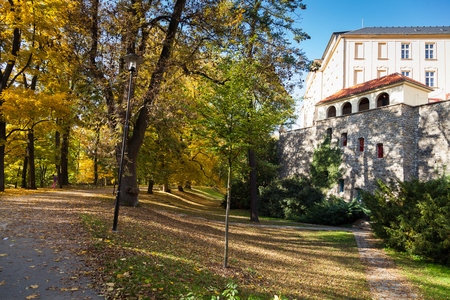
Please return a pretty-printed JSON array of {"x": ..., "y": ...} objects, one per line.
[{"x": 35, "y": 266}]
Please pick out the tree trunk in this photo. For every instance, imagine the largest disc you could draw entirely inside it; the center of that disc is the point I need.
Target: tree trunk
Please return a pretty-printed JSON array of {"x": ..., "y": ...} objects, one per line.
[
  {"x": 151, "y": 183},
  {"x": 58, "y": 156},
  {"x": 2, "y": 152},
  {"x": 253, "y": 186},
  {"x": 24, "y": 172},
  {"x": 129, "y": 189},
  {"x": 97, "y": 142},
  {"x": 180, "y": 188},
  {"x": 63, "y": 179},
  {"x": 227, "y": 214},
  {"x": 31, "y": 166}
]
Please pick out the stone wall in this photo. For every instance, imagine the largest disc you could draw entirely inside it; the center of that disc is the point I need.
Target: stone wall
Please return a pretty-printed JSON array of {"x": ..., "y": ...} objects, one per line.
[{"x": 415, "y": 142}]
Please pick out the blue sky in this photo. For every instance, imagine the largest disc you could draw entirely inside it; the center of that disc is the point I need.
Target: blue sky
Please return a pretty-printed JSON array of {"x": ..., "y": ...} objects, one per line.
[{"x": 323, "y": 17}]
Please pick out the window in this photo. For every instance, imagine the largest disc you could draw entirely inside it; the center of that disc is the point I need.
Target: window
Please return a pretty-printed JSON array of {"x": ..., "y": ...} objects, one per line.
[
  {"x": 363, "y": 104},
  {"x": 346, "y": 109},
  {"x": 358, "y": 77},
  {"x": 381, "y": 73},
  {"x": 406, "y": 73},
  {"x": 341, "y": 185},
  {"x": 329, "y": 132},
  {"x": 382, "y": 51},
  {"x": 358, "y": 195},
  {"x": 383, "y": 100},
  {"x": 359, "y": 51},
  {"x": 405, "y": 51},
  {"x": 380, "y": 153},
  {"x": 429, "y": 51},
  {"x": 361, "y": 144},
  {"x": 344, "y": 139},
  {"x": 331, "y": 112},
  {"x": 429, "y": 79}
]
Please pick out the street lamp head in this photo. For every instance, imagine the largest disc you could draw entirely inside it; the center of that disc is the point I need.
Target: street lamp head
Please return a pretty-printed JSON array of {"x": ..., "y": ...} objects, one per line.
[{"x": 132, "y": 60}]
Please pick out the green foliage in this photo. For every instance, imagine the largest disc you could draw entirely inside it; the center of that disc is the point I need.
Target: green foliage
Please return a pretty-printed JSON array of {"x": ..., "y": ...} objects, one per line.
[
  {"x": 325, "y": 168},
  {"x": 413, "y": 216},
  {"x": 334, "y": 211},
  {"x": 288, "y": 198}
]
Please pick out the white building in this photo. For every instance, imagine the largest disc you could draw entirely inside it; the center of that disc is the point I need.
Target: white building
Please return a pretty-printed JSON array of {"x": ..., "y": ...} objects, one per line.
[{"x": 358, "y": 56}]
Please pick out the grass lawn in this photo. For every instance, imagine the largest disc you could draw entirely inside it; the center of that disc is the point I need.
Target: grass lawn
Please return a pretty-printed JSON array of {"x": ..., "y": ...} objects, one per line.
[
  {"x": 432, "y": 280},
  {"x": 171, "y": 247}
]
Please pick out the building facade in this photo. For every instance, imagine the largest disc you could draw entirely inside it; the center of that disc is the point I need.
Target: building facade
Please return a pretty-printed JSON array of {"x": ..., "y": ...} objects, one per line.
[
  {"x": 354, "y": 57},
  {"x": 389, "y": 124}
]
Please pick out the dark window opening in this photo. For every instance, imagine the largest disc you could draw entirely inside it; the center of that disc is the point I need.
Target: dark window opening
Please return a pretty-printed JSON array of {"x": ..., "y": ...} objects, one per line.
[
  {"x": 341, "y": 185},
  {"x": 361, "y": 144},
  {"x": 331, "y": 112},
  {"x": 383, "y": 100},
  {"x": 363, "y": 104},
  {"x": 358, "y": 195},
  {"x": 344, "y": 139},
  {"x": 329, "y": 132},
  {"x": 380, "y": 152},
  {"x": 346, "y": 109}
]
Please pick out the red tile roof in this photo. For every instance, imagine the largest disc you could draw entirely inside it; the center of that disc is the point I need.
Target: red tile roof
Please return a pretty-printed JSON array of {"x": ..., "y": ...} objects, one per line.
[{"x": 370, "y": 85}]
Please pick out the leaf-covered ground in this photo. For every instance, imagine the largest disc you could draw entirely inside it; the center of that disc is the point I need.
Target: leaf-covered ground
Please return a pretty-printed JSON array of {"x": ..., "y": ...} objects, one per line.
[{"x": 171, "y": 247}]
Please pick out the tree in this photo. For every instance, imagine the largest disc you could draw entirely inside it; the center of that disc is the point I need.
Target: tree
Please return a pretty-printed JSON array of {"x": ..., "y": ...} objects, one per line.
[
  {"x": 325, "y": 167},
  {"x": 224, "y": 110}
]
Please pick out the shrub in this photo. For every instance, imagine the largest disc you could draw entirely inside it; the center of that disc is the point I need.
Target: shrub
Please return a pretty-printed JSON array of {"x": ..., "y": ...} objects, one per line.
[
  {"x": 288, "y": 198},
  {"x": 240, "y": 198},
  {"x": 413, "y": 216},
  {"x": 334, "y": 211}
]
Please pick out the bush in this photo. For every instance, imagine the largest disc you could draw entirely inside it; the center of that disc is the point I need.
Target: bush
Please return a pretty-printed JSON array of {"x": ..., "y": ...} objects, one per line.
[
  {"x": 334, "y": 211},
  {"x": 288, "y": 198},
  {"x": 413, "y": 216},
  {"x": 240, "y": 197}
]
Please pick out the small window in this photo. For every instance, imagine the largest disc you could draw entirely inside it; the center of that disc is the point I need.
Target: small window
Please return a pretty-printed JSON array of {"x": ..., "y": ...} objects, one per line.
[
  {"x": 429, "y": 51},
  {"x": 346, "y": 109},
  {"x": 359, "y": 51},
  {"x": 361, "y": 144},
  {"x": 406, "y": 73},
  {"x": 382, "y": 51},
  {"x": 358, "y": 77},
  {"x": 358, "y": 195},
  {"x": 381, "y": 73},
  {"x": 363, "y": 104},
  {"x": 331, "y": 112},
  {"x": 429, "y": 79},
  {"x": 329, "y": 132},
  {"x": 405, "y": 51},
  {"x": 380, "y": 153},
  {"x": 341, "y": 185},
  {"x": 383, "y": 100},
  {"x": 344, "y": 139}
]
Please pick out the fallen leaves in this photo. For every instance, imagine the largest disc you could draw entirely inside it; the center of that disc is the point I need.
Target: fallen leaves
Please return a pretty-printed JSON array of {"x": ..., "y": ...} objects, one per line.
[{"x": 35, "y": 296}]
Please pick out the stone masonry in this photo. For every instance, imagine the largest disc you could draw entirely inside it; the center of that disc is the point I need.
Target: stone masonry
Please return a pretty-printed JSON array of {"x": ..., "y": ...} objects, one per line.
[{"x": 415, "y": 143}]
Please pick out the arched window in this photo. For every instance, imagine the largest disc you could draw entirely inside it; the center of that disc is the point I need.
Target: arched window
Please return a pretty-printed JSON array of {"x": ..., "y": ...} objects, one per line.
[
  {"x": 363, "y": 104},
  {"x": 383, "y": 100},
  {"x": 346, "y": 109},
  {"x": 331, "y": 112}
]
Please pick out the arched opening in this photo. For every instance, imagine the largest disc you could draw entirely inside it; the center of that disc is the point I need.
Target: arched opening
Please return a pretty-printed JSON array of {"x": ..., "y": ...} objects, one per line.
[
  {"x": 331, "y": 112},
  {"x": 346, "y": 109},
  {"x": 363, "y": 104},
  {"x": 383, "y": 100}
]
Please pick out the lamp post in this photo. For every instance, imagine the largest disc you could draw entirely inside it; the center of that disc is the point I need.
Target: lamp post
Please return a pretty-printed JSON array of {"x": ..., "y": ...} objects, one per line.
[{"x": 132, "y": 61}]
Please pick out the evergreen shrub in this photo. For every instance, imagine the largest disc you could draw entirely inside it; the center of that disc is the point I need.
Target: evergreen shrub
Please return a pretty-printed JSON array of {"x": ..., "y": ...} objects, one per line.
[
  {"x": 334, "y": 211},
  {"x": 413, "y": 216},
  {"x": 288, "y": 198}
]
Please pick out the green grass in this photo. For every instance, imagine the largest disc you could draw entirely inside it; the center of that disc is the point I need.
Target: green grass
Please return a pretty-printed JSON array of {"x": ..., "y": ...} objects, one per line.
[{"x": 432, "y": 280}]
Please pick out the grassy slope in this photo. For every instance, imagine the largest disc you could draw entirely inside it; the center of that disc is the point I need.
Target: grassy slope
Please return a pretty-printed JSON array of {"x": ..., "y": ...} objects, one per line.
[{"x": 173, "y": 245}]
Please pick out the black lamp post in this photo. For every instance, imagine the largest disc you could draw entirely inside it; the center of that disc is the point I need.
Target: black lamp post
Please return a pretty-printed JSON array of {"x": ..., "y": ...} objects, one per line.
[{"x": 132, "y": 61}]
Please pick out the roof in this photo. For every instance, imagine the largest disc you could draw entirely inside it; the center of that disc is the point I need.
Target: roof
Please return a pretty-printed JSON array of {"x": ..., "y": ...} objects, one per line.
[
  {"x": 371, "y": 85},
  {"x": 401, "y": 30}
]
